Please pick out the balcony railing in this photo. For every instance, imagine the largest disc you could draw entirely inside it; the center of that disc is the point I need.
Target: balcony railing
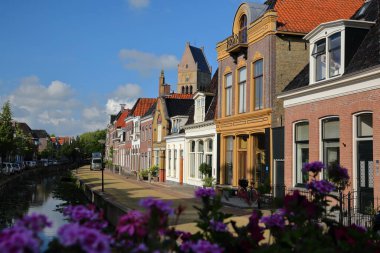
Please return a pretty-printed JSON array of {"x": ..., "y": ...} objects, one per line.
[{"x": 237, "y": 41}]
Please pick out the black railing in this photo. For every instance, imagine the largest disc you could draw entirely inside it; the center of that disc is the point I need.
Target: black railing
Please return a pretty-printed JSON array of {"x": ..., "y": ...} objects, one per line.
[{"x": 236, "y": 39}]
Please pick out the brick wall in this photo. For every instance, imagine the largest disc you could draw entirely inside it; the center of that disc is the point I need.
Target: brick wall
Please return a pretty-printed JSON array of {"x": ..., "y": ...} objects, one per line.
[{"x": 344, "y": 107}]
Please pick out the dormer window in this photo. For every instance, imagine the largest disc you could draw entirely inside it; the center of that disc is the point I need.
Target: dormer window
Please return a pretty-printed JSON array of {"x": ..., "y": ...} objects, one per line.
[
  {"x": 200, "y": 110},
  {"x": 327, "y": 57}
]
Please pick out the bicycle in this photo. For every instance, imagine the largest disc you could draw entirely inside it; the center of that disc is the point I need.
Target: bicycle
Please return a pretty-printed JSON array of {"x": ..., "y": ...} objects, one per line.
[{"x": 249, "y": 194}]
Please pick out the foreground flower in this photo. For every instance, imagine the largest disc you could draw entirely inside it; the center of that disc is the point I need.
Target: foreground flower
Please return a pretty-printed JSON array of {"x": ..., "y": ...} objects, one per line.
[
  {"x": 314, "y": 167},
  {"x": 321, "y": 186},
  {"x": 132, "y": 223},
  {"x": 218, "y": 226},
  {"x": 253, "y": 227},
  {"x": 18, "y": 239},
  {"x": 298, "y": 205},
  {"x": 79, "y": 213},
  {"x": 201, "y": 246},
  {"x": 34, "y": 222},
  {"x": 275, "y": 220},
  {"x": 205, "y": 192},
  {"x": 88, "y": 239},
  {"x": 159, "y": 205},
  {"x": 338, "y": 175}
]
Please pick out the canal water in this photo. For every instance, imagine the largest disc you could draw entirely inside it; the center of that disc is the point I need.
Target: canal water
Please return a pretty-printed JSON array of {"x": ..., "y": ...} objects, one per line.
[{"x": 46, "y": 192}]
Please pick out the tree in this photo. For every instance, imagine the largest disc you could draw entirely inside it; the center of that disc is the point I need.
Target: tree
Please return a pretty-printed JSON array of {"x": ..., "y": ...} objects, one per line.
[
  {"x": 7, "y": 131},
  {"x": 23, "y": 144},
  {"x": 89, "y": 142}
]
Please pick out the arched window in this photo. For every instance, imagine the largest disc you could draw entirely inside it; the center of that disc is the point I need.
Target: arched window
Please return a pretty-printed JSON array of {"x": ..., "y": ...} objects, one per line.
[
  {"x": 192, "y": 159},
  {"x": 243, "y": 29},
  {"x": 330, "y": 141},
  {"x": 183, "y": 89},
  {"x": 187, "y": 89},
  {"x": 191, "y": 89}
]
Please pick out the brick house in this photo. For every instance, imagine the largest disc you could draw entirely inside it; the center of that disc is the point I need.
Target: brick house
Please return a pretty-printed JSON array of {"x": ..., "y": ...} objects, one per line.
[
  {"x": 264, "y": 53},
  {"x": 332, "y": 105}
]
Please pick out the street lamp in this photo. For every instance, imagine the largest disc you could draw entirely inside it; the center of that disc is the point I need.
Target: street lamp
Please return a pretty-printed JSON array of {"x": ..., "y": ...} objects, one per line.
[
  {"x": 101, "y": 141},
  {"x": 78, "y": 151}
]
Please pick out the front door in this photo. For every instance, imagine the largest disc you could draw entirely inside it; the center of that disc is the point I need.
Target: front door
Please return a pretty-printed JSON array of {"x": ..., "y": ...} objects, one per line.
[{"x": 365, "y": 176}]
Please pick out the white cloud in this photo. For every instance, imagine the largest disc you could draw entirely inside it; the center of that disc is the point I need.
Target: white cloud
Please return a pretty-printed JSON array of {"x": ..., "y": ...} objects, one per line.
[
  {"x": 139, "y": 4},
  {"x": 124, "y": 94},
  {"x": 147, "y": 63}
]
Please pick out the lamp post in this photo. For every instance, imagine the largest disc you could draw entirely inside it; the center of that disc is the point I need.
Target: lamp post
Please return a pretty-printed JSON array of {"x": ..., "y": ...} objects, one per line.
[
  {"x": 78, "y": 151},
  {"x": 101, "y": 141}
]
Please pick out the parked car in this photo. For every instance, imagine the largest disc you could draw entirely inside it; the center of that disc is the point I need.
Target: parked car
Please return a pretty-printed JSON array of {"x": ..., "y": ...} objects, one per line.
[
  {"x": 6, "y": 168},
  {"x": 44, "y": 162},
  {"x": 16, "y": 167}
]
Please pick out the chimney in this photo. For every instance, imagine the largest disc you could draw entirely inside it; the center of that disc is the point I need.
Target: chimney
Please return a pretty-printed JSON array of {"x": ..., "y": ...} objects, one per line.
[{"x": 122, "y": 107}]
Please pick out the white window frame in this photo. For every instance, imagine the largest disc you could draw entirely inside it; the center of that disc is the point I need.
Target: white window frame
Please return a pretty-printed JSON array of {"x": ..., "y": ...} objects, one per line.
[
  {"x": 321, "y": 141},
  {"x": 295, "y": 180}
]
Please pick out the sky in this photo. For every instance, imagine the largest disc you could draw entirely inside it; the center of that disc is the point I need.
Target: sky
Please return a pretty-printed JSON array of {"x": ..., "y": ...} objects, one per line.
[{"x": 65, "y": 66}]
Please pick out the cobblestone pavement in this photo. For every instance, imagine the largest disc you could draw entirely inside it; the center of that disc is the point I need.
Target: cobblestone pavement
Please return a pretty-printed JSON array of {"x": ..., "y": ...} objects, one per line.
[{"x": 127, "y": 193}]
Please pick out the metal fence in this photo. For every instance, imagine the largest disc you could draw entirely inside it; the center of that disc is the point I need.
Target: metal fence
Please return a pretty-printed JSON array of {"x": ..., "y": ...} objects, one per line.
[{"x": 351, "y": 209}]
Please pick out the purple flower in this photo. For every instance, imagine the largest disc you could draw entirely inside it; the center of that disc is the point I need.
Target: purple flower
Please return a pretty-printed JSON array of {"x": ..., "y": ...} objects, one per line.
[
  {"x": 275, "y": 220},
  {"x": 34, "y": 222},
  {"x": 201, "y": 246},
  {"x": 254, "y": 228},
  {"x": 218, "y": 226},
  {"x": 132, "y": 223},
  {"x": 90, "y": 240},
  {"x": 205, "y": 193},
  {"x": 140, "y": 248},
  {"x": 297, "y": 204},
  {"x": 79, "y": 213},
  {"x": 338, "y": 175},
  {"x": 18, "y": 239},
  {"x": 161, "y": 206},
  {"x": 321, "y": 187},
  {"x": 314, "y": 167}
]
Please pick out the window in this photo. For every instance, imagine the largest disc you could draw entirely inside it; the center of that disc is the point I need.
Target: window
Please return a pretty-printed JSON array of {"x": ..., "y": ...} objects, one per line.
[
  {"x": 157, "y": 158},
  {"x": 183, "y": 89},
  {"x": 330, "y": 142},
  {"x": 242, "y": 89},
  {"x": 243, "y": 29},
  {"x": 159, "y": 133},
  {"x": 208, "y": 152},
  {"x": 200, "y": 156},
  {"x": 191, "y": 89},
  {"x": 175, "y": 163},
  {"x": 364, "y": 125},
  {"x": 200, "y": 110},
  {"x": 327, "y": 60},
  {"x": 228, "y": 84},
  {"x": 319, "y": 54},
  {"x": 170, "y": 163},
  {"x": 301, "y": 150},
  {"x": 335, "y": 57},
  {"x": 187, "y": 89},
  {"x": 192, "y": 159},
  {"x": 229, "y": 160},
  {"x": 258, "y": 82}
]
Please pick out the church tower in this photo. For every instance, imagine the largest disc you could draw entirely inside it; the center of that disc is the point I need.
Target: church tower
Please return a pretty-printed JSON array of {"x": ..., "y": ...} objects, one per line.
[{"x": 194, "y": 72}]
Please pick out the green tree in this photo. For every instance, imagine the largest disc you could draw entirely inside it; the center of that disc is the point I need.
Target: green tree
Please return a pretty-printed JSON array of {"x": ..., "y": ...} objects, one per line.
[
  {"x": 92, "y": 142},
  {"x": 7, "y": 131},
  {"x": 23, "y": 144}
]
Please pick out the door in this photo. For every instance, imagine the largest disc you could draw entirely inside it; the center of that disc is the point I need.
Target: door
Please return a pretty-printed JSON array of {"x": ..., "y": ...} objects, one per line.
[{"x": 365, "y": 176}]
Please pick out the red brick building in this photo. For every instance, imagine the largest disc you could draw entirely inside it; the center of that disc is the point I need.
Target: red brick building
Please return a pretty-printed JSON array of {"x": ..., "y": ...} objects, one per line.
[{"x": 332, "y": 106}]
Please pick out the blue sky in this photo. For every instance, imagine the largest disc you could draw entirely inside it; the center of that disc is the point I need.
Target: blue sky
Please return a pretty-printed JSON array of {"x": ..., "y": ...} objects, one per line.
[{"x": 66, "y": 65}]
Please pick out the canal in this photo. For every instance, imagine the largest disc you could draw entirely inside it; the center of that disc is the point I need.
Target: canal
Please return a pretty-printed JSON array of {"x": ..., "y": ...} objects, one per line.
[{"x": 42, "y": 191}]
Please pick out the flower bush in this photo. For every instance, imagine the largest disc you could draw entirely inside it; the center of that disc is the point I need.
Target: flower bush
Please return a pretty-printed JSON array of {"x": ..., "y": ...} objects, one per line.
[{"x": 303, "y": 224}]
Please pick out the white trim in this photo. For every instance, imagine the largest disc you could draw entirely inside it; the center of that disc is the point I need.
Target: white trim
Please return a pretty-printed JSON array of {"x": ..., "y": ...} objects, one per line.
[{"x": 341, "y": 22}]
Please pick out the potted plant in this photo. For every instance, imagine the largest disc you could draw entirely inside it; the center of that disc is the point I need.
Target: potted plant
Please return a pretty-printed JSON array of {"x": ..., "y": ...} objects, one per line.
[
  {"x": 154, "y": 171},
  {"x": 208, "y": 182},
  {"x": 144, "y": 174},
  {"x": 205, "y": 169}
]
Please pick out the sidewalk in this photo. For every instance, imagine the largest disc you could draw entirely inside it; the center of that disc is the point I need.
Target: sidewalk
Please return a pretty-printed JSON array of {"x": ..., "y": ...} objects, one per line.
[{"x": 128, "y": 192}]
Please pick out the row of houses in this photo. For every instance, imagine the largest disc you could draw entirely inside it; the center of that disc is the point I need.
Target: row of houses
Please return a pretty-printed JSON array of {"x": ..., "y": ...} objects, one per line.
[{"x": 296, "y": 82}]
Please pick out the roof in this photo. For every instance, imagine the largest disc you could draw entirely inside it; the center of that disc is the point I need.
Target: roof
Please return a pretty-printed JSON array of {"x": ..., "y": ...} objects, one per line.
[
  {"x": 200, "y": 58},
  {"x": 211, "y": 111},
  {"x": 142, "y": 106},
  {"x": 177, "y": 107},
  {"x": 179, "y": 96},
  {"x": 120, "y": 122},
  {"x": 151, "y": 110},
  {"x": 303, "y": 16},
  {"x": 24, "y": 127},
  {"x": 366, "y": 55},
  {"x": 40, "y": 134}
]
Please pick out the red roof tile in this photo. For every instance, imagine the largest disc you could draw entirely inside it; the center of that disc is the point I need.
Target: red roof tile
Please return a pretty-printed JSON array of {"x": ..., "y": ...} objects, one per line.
[
  {"x": 304, "y": 15},
  {"x": 142, "y": 106},
  {"x": 121, "y": 120},
  {"x": 180, "y": 96}
]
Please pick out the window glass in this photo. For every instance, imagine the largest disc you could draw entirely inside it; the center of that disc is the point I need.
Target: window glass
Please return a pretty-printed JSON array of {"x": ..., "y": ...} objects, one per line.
[
  {"x": 200, "y": 146},
  {"x": 228, "y": 94},
  {"x": 335, "y": 55},
  {"x": 365, "y": 125},
  {"x": 242, "y": 89},
  {"x": 258, "y": 82},
  {"x": 319, "y": 53},
  {"x": 302, "y": 150},
  {"x": 229, "y": 160},
  {"x": 330, "y": 141},
  {"x": 330, "y": 128}
]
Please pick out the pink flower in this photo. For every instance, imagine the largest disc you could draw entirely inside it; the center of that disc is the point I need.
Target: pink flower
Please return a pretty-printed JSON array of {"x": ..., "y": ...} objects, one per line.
[{"x": 133, "y": 224}]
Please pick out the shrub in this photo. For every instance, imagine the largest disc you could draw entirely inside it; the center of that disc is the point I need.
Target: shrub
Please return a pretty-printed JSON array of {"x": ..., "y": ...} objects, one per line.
[
  {"x": 205, "y": 169},
  {"x": 144, "y": 173},
  {"x": 154, "y": 170}
]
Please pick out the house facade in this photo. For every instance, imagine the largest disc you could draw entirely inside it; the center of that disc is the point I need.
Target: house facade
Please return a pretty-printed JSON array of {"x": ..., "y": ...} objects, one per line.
[
  {"x": 332, "y": 106},
  {"x": 263, "y": 54}
]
